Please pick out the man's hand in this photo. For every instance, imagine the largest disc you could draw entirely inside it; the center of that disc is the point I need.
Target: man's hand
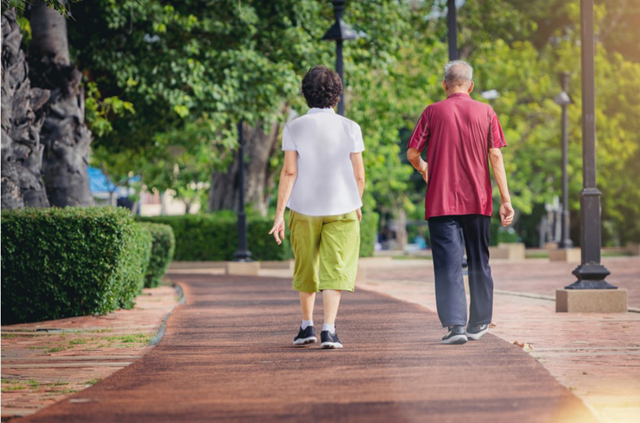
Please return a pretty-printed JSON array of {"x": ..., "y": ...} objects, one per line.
[
  {"x": 425, "y": 175},
  {"x": 278, "y": 229},
  {"x": 359, "y": 213},
  {"x": 506, "y": 213}
]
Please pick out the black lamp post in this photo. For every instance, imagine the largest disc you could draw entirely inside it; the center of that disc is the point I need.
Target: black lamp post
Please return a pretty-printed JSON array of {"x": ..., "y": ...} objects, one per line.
[
  {"x": 563, "y": 100},
  {"x": 452, "y": 29},
  {"x": 339, "y": 32},
  {"x": 242, "y": 254},
  {"x": 590, "y": 272}
]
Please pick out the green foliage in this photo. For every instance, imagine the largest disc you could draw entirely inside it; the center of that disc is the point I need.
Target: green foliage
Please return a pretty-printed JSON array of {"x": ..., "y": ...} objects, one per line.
[
  {"x": 162, "y": 251},
  {"x": 136, "y": 263},
  {"x": 68, "y": 262},
  {"x": 214, "y": 237},
  {"x": 20, "y": 5},
  {"x": 191, "y": 72},
  {"x": 368, "y": 233}
]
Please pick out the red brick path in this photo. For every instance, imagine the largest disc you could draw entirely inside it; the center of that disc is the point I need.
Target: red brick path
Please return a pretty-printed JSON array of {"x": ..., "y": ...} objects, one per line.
[{"x": 227, "y": 356}]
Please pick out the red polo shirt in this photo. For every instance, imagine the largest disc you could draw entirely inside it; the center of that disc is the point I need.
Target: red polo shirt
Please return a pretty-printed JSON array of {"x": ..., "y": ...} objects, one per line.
[{"x": 458, "y": 133}]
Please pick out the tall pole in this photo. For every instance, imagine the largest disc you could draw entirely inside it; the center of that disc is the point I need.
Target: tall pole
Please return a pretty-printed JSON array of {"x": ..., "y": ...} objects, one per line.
[
  {"x": 565, "y": 241},
  {"x": 340, "y": 70},
  {"x": 339, "y": 32},
  {"x": 242, "y": 254},
  {"x": 452, "y": 30},
  {"x": 590, "y": 272}
]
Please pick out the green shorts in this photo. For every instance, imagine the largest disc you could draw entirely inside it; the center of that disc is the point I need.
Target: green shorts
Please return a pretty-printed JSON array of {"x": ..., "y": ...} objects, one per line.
[{"x": 326, "y": 249}]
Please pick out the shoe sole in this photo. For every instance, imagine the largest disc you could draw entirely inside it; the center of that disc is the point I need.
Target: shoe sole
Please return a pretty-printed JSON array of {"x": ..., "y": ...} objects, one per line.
[
  {"x": 476, "y": 336},
  {"x": 331, "y": 345},
  {"x": 455, "y": 340},
  {"x": 305, "y": 341}
]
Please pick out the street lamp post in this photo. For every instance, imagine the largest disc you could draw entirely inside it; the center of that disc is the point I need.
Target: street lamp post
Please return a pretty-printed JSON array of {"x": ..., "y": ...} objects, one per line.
[
  {"x": 563, "y": 100},
  {"x": 242, "y": 254},
  {"x": 590, "y": 272},
  {"x": 339, "y": 32},
  {"x": 452, "y": 29}
]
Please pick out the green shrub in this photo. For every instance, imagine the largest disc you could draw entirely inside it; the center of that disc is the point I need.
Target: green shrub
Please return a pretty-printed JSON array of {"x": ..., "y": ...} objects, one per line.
[
  {"x": 214, "y": 237},
  {"x": 136, "y": 263},
  {"x": 68, "y": 262},
  {"x": 368, "y": 233},
  {"x": 162, "y": 249}
]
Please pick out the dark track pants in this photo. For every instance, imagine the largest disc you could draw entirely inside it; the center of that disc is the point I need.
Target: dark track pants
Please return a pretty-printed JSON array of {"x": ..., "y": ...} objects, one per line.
[{"x": 449, "y": 237}]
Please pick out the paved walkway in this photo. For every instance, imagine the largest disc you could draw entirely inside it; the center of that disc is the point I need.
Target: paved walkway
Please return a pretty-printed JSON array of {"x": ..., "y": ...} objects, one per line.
[
  {"x": 45, "y": 362},
  {"x": 227, "y": 356},
  {"x": 597, "y": 356}
]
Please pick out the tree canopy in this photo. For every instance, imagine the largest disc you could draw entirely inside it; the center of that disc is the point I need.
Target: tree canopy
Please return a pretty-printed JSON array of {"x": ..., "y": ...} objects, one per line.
[{"x": 168, "y": 82}]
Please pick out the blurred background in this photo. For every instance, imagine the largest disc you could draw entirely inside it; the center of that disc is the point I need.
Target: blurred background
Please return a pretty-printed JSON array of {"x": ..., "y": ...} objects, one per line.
[{"x": 159, "y": 88}]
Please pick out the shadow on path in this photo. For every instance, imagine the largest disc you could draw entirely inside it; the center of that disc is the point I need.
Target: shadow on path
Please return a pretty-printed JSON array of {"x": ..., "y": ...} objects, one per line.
[{"x": 227, "y": 356}]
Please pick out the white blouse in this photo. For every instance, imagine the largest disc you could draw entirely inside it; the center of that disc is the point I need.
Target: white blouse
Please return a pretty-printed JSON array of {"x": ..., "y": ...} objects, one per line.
[{"x": 324, "y": 140}]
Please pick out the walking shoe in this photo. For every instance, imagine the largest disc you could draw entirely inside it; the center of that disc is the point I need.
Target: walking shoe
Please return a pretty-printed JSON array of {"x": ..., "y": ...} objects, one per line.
[
  {"x": 330, "y": 340},
  {"x": 456, "y": 335},
  {"x": 305, "y": 336},
  {"x": 476, "y": 332}
]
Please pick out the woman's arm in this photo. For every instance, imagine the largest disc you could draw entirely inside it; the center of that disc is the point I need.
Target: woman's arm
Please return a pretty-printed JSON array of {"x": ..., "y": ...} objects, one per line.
[
  {"x": 358, "y": 172},
  {"x": 287, "y": 179}
]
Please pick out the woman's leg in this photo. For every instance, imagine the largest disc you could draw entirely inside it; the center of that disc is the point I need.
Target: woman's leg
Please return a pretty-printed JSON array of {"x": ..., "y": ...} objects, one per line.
[
  {"x": 331, "y": 300},
  {"x": 307, "y": 300}
]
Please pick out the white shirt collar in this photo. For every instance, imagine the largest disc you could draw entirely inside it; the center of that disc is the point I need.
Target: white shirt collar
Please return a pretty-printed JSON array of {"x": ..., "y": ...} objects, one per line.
[{"x": 319, "y": 110}]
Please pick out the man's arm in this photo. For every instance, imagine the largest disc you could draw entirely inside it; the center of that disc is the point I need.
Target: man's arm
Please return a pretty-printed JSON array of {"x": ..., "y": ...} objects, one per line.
[
  {"x": 499, "y": 173},
  {"x": 420, "y": 165}
]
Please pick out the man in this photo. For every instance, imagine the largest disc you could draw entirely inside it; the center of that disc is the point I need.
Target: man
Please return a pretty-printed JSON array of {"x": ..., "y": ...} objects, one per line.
[{"x": 459, "y": 133}]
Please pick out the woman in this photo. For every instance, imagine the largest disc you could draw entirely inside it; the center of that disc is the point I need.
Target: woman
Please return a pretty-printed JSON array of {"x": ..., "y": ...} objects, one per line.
[{"x": 322, "y": 182}]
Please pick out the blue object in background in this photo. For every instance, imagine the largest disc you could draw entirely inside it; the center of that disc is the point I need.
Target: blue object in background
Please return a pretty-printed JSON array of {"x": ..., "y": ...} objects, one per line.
[
  {"x": 99, "y": 183},
  {"x": 420, "y": 241}
]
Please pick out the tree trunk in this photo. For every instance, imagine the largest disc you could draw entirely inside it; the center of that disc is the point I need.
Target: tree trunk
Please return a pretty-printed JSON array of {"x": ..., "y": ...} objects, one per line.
[
  {"x": 259, "y": 148},
  {"x": 65, "y": 136},
  {"x": 21, "y": 122}
]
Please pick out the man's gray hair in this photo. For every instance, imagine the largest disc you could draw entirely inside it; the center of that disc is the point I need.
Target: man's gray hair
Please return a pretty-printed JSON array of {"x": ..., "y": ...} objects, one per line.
[{"x": 458, "y": 73}]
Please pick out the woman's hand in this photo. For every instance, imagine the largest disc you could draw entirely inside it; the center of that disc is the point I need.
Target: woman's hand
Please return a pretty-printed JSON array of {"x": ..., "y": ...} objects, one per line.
[
  {"x": 278, "y": 229},
  {"x": 359, "y": 213}
]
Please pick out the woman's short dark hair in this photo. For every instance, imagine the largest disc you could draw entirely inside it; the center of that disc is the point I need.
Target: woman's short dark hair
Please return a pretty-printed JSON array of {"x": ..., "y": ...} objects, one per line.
[{"x": 321, "y": 87}]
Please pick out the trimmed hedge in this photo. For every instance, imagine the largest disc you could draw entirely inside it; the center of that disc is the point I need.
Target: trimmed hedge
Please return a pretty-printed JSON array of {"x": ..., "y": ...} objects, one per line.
[
  {"x": 214, "y": 237},
  {"x": 368, "y": 233},
  {"x": 162, "y": 249},
  {"x": 67, "y": 262}
]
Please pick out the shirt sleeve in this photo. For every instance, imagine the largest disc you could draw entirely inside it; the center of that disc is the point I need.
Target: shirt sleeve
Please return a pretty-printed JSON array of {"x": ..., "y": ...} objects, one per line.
[
  {"x": 496, "y": 136},
  {"x": 358, "y": 142},
  {"x": 420, "y": 135},
  {"x": 287, "y": 140}
]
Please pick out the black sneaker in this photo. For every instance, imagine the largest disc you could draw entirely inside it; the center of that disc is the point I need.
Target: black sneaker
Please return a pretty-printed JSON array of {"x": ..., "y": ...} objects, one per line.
[
  {"x": 330, "y": 340},
  {"x": 305, "y": 336},
  {"x": 456, "y": 335},
  {"x": 476, "y": 332}
]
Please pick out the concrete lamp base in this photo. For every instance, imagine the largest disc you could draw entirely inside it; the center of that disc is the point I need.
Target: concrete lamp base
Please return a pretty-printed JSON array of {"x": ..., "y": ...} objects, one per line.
[
  {"x": 567, "y": 255},
  {"x": 280, "y": 265},
  {"x": 243, "y": 268},
  {"x": 591, "y": 301},
  {"x": 508, "y": 251}
]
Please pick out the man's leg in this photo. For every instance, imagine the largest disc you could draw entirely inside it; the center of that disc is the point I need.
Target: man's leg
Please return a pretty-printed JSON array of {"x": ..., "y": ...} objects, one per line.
[
  {"x": 476, "y": 235},
  {"x": 447, "y": 247}
]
